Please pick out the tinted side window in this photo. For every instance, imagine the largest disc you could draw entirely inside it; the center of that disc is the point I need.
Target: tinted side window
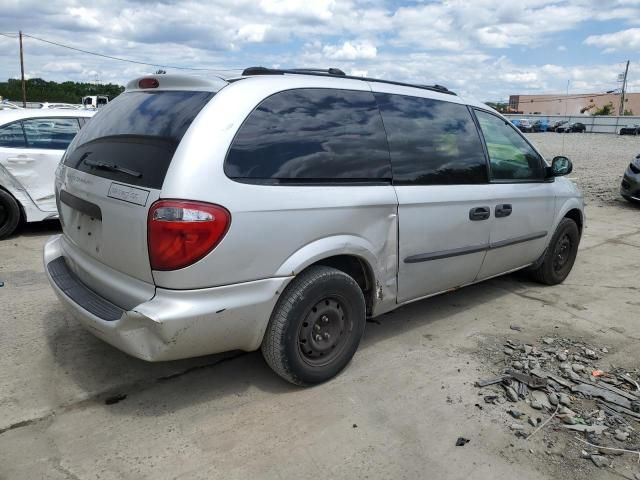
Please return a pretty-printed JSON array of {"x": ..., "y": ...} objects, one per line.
[
  {"x": 432, "y": 142},
  {"x": 50, "y": 133},
  {"x": 511, "y": 157},
  {"x": 311, "y": 135},
  {"x": 12, "y": 136}
]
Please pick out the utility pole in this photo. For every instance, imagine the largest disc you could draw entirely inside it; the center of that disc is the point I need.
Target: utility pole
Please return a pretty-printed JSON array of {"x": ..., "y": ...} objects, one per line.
[
  {"x": 24, "y": 86},
  {"x": 624, "y": 87}
]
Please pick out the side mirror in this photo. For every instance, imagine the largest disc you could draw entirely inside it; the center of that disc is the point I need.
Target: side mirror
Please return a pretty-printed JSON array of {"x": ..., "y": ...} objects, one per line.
[{"x": 560, "y": 166}]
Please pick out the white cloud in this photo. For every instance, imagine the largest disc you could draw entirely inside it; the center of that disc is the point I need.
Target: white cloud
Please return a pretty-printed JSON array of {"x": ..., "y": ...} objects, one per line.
[
  {"x": 452, "y": 42},
  {"x": 520, "y": 77},
  {"x": 63, "y": 67},
  {"x": 359, "y": 73},
  {"x": 253, "y": 32},
  {"x": 350, "y": 51},
  {"x": 623, "y": 40},
  {"x": 309, "y": 9},
  {"x": 85, "y": 16}
]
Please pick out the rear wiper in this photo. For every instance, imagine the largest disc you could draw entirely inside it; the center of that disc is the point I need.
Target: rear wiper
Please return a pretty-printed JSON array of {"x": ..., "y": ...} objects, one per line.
[{"x": 112, "y": 167}]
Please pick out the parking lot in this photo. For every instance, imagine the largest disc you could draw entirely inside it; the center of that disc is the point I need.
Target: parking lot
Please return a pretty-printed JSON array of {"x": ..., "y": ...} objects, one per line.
[{"x": 72, "y": 407}]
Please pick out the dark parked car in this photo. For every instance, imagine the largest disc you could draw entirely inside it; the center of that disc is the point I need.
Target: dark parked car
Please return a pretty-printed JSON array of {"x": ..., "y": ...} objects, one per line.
[
  {"x": 630, "y": 188},
  {"x": 557, "y": 124},
  {"x": 572, "y": 127},
  {"x": 630, "y": 130}
]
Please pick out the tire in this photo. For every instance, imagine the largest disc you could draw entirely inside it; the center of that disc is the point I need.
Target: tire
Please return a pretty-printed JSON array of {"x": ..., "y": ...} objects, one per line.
[
  {"x": 9, "y": 214},
  {"x": 320, "y": 301},
  {"x": 560, "y": 255}
]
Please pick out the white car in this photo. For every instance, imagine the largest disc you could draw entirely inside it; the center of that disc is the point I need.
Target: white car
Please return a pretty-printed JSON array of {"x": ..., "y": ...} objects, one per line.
[{"x": 32, "y": 142}]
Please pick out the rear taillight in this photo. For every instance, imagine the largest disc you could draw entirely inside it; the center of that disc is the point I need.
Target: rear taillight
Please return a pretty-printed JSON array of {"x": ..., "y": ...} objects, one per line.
[{"x": 182, "y": 232}]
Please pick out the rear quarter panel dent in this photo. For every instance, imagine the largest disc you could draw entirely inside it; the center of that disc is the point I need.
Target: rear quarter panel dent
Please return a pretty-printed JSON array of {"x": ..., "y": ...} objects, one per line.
[{"x": 379, "y": 251}]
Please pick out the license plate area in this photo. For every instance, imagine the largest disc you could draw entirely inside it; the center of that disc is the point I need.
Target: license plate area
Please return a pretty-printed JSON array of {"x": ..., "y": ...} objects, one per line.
[{"x": 82, "y": 222}]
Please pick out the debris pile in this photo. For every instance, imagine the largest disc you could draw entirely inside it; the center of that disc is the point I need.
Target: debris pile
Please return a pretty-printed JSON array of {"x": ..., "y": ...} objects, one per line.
[{"x": 561, "y": 385}]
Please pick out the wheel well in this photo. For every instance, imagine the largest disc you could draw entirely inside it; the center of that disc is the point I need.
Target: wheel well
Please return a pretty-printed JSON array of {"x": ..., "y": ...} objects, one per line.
[
  {"x": 359, "y": 270},
  {"x": 576, "y": 216}
]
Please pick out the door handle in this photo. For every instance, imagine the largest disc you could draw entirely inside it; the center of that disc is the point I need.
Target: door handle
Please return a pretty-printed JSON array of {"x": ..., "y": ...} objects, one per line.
[
  {"x": 479, "y": 213},
  {"x": 503, "y": 210}
]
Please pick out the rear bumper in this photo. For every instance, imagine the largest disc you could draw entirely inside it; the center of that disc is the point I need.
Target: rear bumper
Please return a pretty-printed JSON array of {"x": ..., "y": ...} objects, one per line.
[{"x": 174, "y": 323}]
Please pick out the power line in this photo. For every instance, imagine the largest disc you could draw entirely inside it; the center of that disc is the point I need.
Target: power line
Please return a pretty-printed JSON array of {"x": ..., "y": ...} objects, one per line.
[{"x": 124, "y": 59}]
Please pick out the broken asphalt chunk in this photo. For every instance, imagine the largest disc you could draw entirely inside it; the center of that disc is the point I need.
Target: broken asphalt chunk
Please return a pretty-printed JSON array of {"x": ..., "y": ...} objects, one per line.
[
  {"x": 511, "y": 393},
  {"x": 529, "y": 380},
  {"x": 607, "y": 395},
  {"x": 491, "y": 381},
  {"x": 541, "y": 398},
  {"x": 597, "y": 429},
  {"x": 461, "y": 442},
  {"x": 600, "y": 461}
]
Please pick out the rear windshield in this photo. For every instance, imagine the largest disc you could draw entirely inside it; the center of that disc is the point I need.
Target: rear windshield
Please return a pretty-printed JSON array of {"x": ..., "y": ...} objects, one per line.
[{"x": 134, "y": 137}]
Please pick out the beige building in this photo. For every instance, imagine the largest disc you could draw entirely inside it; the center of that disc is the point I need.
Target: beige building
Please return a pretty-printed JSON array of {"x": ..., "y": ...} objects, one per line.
[{"x": 572, "y": 104}]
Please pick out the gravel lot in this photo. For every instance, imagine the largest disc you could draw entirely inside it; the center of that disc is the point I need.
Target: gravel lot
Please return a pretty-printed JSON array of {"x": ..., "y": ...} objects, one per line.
[{"x": 599, "y": 160}]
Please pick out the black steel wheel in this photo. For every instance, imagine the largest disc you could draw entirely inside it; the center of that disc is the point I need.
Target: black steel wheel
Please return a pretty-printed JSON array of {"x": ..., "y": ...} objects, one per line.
[
  {"x": 560, "y": 255},
  {"x": 9, "y": 214},
  {"x": 562, "y": 252},
  {"x": 316, "y": 326},
  {"x": 324, "y": 332}
]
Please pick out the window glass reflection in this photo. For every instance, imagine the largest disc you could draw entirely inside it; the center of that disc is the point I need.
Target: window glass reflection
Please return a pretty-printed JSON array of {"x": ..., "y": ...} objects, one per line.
[
  {"x": 312, "y": 134},
  {"x": 432, "y": 142}
]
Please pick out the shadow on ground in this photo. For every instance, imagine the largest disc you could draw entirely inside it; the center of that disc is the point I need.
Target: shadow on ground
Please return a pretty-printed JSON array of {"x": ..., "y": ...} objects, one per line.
[{"x": 47, "y": 227}]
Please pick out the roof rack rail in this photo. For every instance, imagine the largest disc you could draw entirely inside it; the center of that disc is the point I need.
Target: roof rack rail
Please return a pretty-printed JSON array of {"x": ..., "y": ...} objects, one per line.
[
  {"x": 332, "y": 72},
  {"x": 278, "y": 71}
]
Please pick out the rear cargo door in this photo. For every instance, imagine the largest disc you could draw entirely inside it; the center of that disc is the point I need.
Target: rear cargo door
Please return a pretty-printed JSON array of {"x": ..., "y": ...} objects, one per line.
[{"x": 114, "y": 169}]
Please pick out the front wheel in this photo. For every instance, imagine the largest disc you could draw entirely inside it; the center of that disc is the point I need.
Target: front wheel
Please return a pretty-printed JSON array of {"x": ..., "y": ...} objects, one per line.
[
  {"x": 560, "y": 255},
  {"x": 316, "y": 326}
]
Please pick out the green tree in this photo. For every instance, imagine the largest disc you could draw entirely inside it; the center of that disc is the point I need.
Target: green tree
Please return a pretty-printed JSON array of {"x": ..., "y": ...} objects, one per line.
[
  {"x": 627, "y": 112},
  {"x": 500, "y": 107},
  {"x": 39, "y": 90},
  {"x": 605, "y": 109}
]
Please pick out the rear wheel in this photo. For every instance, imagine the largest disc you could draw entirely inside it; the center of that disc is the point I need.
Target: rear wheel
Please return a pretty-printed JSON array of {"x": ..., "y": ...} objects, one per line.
[
  {"x": 9, "y": 214},
  {"x": 316, "y": 326},
  {"x": 560, "y": 255}
]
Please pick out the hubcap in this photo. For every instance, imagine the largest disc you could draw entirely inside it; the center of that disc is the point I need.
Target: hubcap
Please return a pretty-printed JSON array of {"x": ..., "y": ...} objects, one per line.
[
  {"x": 324, "y": 332},
  {"x": 562, "y": 253}
]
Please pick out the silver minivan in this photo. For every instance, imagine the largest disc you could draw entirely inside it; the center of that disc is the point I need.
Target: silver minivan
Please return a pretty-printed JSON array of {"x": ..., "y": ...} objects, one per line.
[{"x": 280, "y": 209}]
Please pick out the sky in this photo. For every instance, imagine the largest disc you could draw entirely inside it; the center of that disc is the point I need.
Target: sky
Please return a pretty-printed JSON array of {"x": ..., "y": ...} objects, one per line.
[{"x": 488, "y": 49}]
